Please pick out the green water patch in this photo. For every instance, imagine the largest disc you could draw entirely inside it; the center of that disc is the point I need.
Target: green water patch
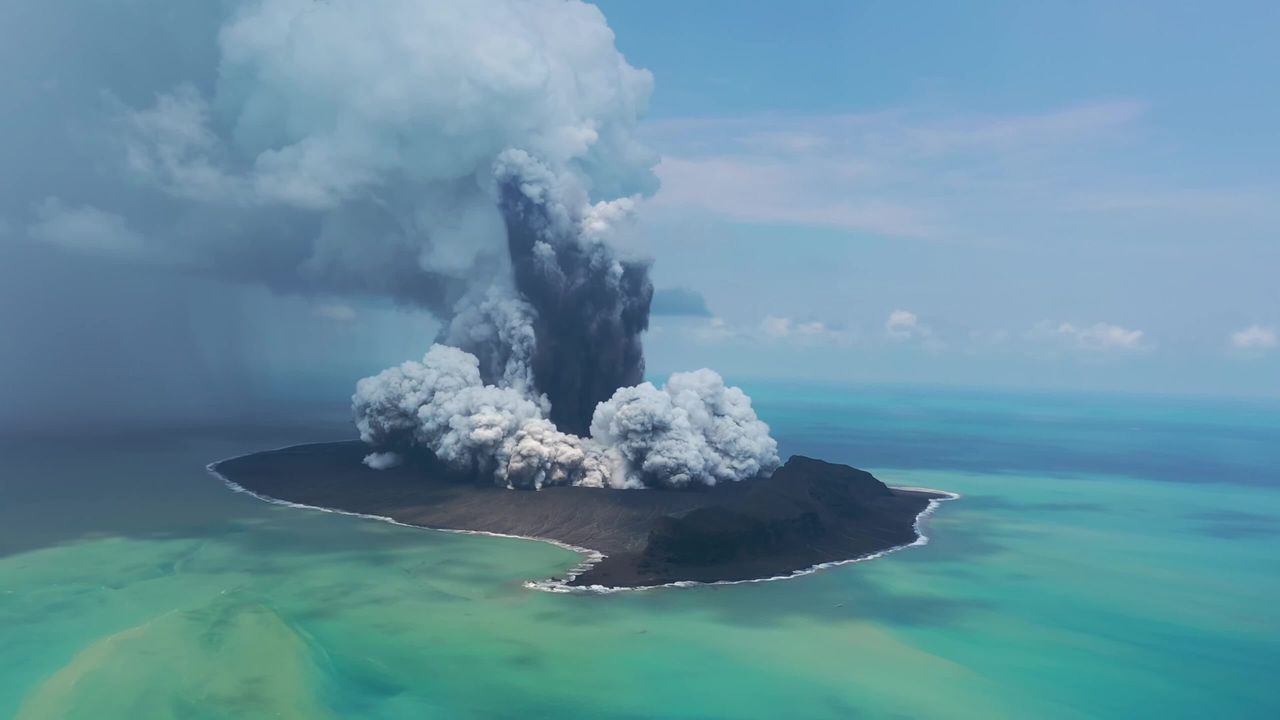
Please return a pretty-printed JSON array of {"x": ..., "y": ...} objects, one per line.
[{"x": 1098, "y": 596}]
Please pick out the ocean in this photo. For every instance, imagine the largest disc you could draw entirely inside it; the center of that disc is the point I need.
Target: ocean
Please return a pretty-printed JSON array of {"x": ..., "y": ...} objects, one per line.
[{"x": 1110, "y": 557}]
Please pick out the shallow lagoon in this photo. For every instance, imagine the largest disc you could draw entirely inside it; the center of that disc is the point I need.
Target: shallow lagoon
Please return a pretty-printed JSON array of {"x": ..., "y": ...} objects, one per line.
[{"x": 1111, "y": 557}]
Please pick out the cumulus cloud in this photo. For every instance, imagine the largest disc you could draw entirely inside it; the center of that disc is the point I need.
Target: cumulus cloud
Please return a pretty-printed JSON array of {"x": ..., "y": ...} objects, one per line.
[
  {"x": 1100, "y": 337},
  {"x": 904, "y": 325},
  {"x": 680, "y": 301},
  {"x": 1255, "y": 338},
  {"x": 775, "y": 327},
  {"x": 771, "y": 329}
]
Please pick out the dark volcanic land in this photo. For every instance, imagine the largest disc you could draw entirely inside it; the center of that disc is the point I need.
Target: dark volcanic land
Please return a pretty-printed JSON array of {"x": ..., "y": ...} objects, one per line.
[{"x": 807, "y": 513}]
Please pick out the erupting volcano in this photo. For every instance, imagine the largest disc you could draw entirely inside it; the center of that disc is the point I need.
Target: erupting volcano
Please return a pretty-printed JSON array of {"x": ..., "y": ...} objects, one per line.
[{"x": 480, "y": 161}]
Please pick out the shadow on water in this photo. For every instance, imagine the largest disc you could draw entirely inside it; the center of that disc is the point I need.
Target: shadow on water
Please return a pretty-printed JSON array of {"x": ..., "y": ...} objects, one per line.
[{"x": 130, "y": 484}]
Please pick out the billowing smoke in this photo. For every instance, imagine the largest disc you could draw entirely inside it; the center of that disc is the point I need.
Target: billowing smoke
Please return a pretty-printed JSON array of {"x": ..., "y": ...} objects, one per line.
[
  {"x": 591, "y": 306},
  {"x": 349, "y": 147},
  {"x": 525, "y": 371},
  {"x": 476, "y": 158},
  {"x": 692, "y": 431},
  {"x": 443, "y": 404}
]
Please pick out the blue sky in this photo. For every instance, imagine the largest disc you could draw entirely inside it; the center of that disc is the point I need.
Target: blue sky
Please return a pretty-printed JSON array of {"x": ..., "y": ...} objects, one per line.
[{"x": 1042, "y": 194}]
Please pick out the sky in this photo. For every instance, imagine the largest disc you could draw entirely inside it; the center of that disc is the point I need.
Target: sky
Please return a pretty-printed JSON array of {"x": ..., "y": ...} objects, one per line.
[
  {"x": 1060, "y": 195},
  {"x": 1073, "y": 195}
]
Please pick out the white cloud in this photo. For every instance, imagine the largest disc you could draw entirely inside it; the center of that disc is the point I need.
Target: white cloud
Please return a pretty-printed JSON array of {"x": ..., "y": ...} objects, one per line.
[
  {"x": 85, "y": 228},
  {"x": 339, "y": 312},
  {"x": 812, "y": 328},
  {"x": 1101, "y": 337},
  {"x": 1255, "y": 337},
  {"x": 771, "y": 329},
  {"x": 774, "y": 327},
  {"x": 903, "y": 325}
]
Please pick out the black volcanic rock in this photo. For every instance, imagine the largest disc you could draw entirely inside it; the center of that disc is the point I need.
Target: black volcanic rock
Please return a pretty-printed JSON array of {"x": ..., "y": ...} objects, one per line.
[
  {"x": 718, "y": 534},
  {"x": 795, "y": 506},
  {"x": 807, "y": 513}
]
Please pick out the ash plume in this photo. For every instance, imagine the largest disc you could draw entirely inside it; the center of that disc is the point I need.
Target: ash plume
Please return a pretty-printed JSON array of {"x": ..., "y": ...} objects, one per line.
[
  {"x": 476, "y": 158},
  {"x": 349, "y": 148},
  {"x": 590, "y": 305}
]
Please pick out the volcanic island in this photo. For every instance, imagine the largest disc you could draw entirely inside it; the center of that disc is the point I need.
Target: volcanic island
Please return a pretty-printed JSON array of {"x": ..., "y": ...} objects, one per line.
[{"x": 806, "y": 514}]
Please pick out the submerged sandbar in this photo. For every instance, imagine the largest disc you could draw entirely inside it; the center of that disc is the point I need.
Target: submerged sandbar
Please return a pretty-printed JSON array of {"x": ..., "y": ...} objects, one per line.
[{"x": 808, "y": 513}]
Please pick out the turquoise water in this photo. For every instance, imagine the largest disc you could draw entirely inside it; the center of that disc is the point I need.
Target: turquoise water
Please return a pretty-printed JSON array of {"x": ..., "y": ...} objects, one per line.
[{"x": 1111, "y": 557}]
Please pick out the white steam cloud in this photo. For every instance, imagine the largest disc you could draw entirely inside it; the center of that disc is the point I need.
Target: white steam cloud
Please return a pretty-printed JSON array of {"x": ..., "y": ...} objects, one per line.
[
  {"x": 695, "y": 430},
  {"x": 382, "y": 460},
  {"x": 692, "y": 431}
]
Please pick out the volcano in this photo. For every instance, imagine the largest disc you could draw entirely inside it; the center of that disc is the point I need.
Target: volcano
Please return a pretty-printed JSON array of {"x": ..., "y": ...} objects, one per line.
[{"x": 806, "y": 514}]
